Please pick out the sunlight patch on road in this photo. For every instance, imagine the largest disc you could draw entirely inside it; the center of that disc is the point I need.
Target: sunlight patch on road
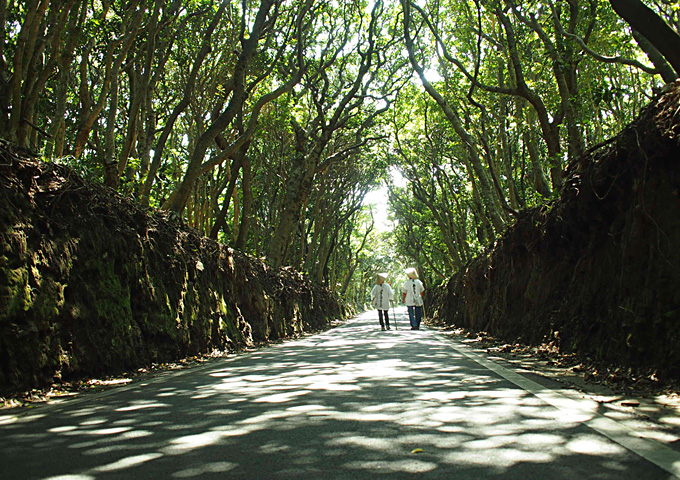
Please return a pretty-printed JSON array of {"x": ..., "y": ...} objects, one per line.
[
  {"x": 404, "y": 466},
  {"x": 263, "y": 418},
  {"x": 134, "y": 434},
  {"x": 7, "y": 419},
  {"x": 192, "y": 442},
  {"x": 377, "y": 444},
  {"x": 281, "y": 397},
  {"x": 442, "y": 397},
  {"x": 489, "y": 443},
  {"x": 432, "y": 442},
  {"x": 416, "y": 418},
  {"x": 274, "y": 447},
  {"x": 64, "y": 429},
  {"x": 198, "y": 472},
  {"x": 362, "y": 417},
  {"x": 502, "y": 458},
  {"x": 102, "y": 431},
  {"x": 383, "y": 369},
  {"x": 671, "y": 420},
  {"x": 221, "y": 411},
  {"x": 331, "y": 383},
  {"x": 385, "y": 345},
  {"x": 128, "y": 462},
  {"x": 93, "y": 421},
  {"x": 143, "y": 406},
  {"x": 663, "y": 437},
  {"x": 342, "y": 377},
  {"x": 70, "y": 477},
  {"x": 308, "y": 408},
  {"x": 539, "y": 439},
  {"x": 27, "y": 418},
  {"x": 594, "y": 445},
  {"x": 461, "y": 414}
]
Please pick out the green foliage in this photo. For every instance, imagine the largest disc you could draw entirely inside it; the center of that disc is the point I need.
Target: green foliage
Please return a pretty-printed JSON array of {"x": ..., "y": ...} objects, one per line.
[{"x": 119, "y": 77}]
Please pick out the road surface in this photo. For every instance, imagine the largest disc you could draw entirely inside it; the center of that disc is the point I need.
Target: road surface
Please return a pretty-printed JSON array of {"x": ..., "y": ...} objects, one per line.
[{"x": 351, "y": 403}]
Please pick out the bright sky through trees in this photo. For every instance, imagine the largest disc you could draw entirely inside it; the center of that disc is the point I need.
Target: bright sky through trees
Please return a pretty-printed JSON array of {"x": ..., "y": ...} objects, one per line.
[{"x": 378, "y": 199}]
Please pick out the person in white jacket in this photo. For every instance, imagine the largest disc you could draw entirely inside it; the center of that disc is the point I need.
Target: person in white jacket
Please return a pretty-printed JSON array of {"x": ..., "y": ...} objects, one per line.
[
  {"x": 381, "y": 295},
  {"x": 412, "y": 295}
]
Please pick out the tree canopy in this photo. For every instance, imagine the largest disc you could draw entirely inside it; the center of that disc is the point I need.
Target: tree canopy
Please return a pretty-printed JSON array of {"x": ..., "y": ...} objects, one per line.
[{"x": 265, "y": 123}]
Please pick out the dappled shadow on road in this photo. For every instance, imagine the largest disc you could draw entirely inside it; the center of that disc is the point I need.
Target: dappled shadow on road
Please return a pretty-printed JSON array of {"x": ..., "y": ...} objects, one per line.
[{"x": 351, "y": 403}]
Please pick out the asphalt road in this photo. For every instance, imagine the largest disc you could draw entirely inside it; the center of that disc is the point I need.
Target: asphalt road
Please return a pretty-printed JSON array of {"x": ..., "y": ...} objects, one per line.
[{"x": 351, "y": 403}]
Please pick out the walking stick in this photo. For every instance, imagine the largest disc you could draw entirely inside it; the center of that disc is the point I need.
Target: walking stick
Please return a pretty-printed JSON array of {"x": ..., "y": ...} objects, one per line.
[{"x": 394, "y": 317}]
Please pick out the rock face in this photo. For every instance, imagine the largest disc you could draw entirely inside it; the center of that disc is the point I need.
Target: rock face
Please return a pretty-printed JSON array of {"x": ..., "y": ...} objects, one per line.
[
  {"x": 597, "y": 271},
  {"x": 92, "y": 284}
]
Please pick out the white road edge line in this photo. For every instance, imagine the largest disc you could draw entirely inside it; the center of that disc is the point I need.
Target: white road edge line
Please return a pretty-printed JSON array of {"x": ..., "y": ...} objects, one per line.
[{"x": 651, "y": 450}]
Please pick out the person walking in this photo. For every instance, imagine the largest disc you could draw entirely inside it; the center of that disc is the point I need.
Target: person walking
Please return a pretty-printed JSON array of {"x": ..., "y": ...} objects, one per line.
[
  {"x": 381, "y": 296},
  {"x": 412, "y": 295}
]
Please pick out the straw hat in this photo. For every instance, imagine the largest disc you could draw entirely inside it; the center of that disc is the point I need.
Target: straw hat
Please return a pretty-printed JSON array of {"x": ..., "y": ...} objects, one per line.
[{"x": 411, "y": 273}]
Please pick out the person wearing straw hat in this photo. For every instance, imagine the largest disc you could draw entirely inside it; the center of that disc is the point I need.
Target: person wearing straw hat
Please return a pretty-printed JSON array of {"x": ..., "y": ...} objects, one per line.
[
  {"x": 381, "y": 295},
  {"x": 412, "y": 295}
]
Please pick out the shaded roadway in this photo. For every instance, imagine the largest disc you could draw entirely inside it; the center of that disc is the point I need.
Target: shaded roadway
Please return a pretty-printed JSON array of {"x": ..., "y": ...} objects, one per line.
[{"x": 351, "y": 403}]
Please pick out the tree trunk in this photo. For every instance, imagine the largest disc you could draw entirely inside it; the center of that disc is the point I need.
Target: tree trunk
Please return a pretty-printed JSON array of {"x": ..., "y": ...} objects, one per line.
[
  {"x": 236, "y": 165},
  {"x": 549, "y": 128},
  {"x": 665, "y": 70},
  {"x": 447, "y": 228},
  {"x": 238, "y": 97},
  {"x": 652, "y": 27},
  {"x": 538, "y": 179},
  {"x": 247, "y": 206},
  {"x": 491, "y": 202},
  {"x": 22, "y": 60},
  {"x": 112, "y": 67},
  {"x": 299, "y": 186},
  {"x": 108, "y": 160},
  {"x": 139, "y": 90},
  {"x": 354, "y": 262},
  {"x": 58, "y": 128},
  {"x": 159, "y": 149}
]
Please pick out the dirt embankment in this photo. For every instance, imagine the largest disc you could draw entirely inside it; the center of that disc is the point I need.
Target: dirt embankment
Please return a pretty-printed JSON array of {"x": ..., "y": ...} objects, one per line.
[
  {"x": 92, "y": 284},
  {"x": 597, "y": 272}
]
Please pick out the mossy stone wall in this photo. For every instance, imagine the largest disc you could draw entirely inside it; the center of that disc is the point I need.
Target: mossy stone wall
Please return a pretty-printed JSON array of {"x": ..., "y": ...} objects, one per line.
[
  {"x": 91, "y": 284},
  {"x": 597, "y": 272}
]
